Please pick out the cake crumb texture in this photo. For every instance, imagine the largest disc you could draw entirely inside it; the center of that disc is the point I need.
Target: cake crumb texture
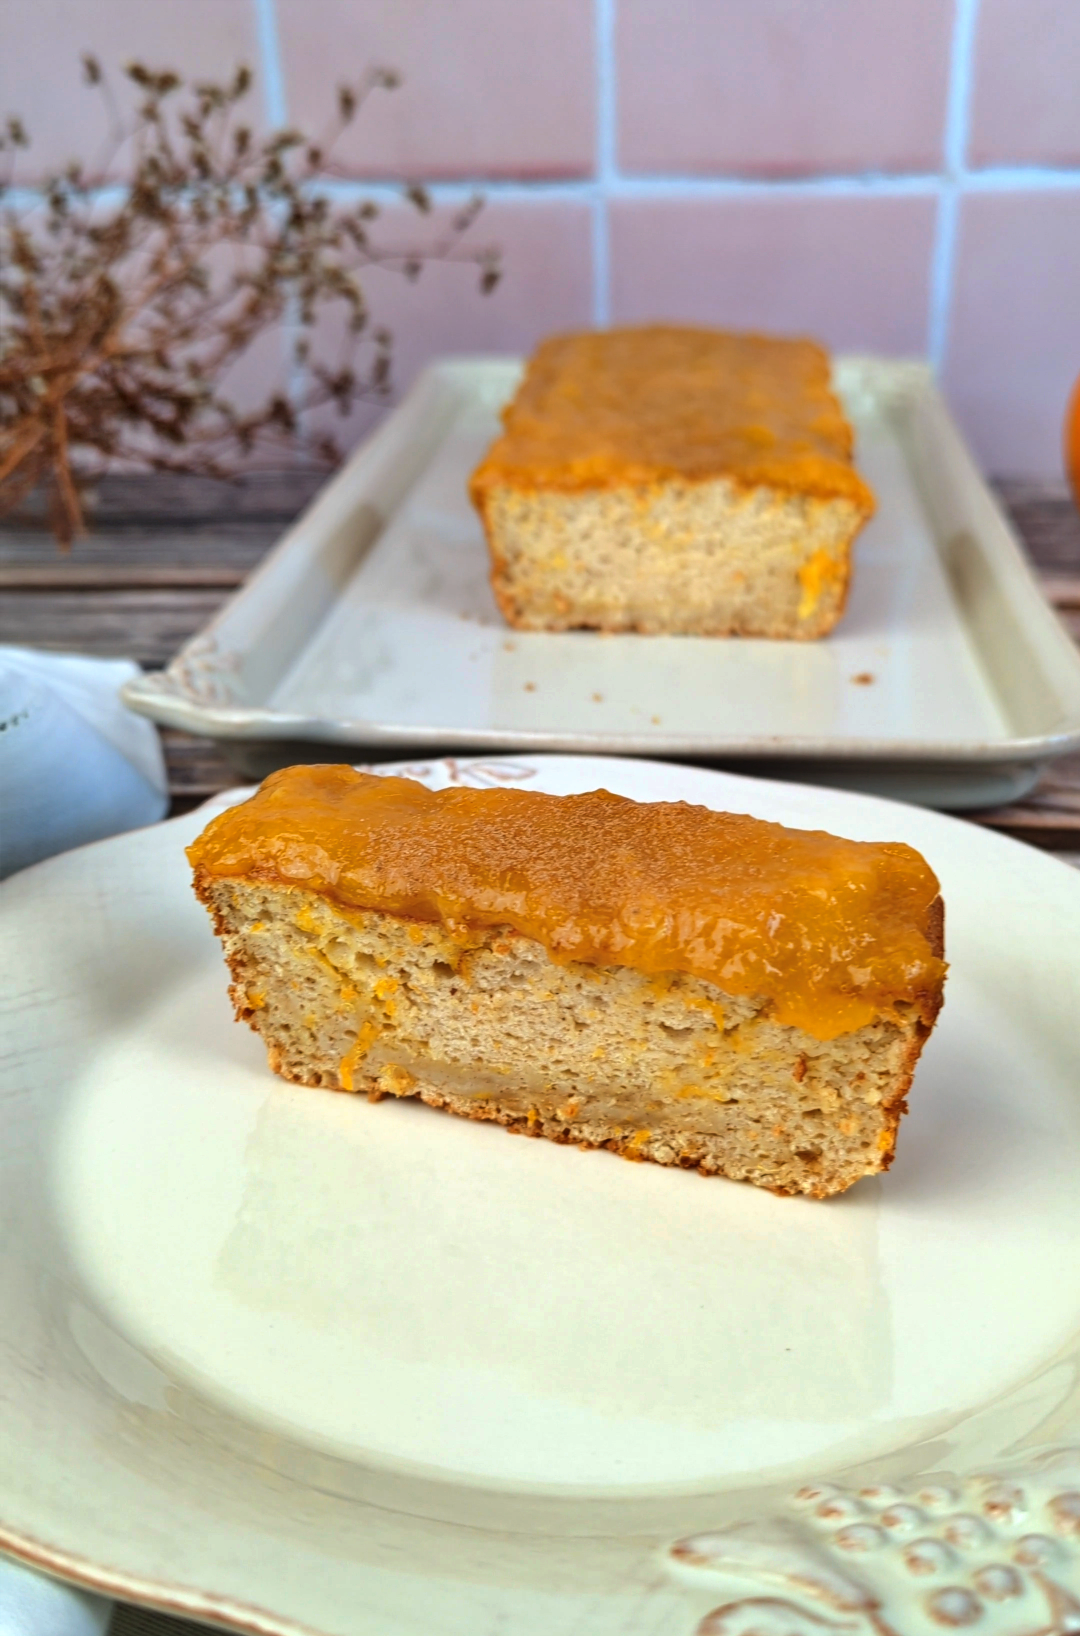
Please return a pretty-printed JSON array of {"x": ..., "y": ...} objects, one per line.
[{"x": 665, "y": 1068}]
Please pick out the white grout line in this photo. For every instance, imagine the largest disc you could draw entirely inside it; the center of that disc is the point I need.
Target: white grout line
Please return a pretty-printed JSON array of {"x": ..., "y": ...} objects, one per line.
[
  {"x": 31, "y": 198},
  {"x": 1020, "y": 179},
  {"x": 388, "y": 190},
  {"x": 957, "y": 126},
  {"x": 958, "y": 115},
  {"x": 942, "y": 263},
  {"x": 739, "y": 187},
  {"x": 273, "y": 78},
  {"x": 275, "y": 103},
  {"x": 999, "y": 179},
  {"x": 618, "y": 186},
  {"x": 606, "y": 159}
]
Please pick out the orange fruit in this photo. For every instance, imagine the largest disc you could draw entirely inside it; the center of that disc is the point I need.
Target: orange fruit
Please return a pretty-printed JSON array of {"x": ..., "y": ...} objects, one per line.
[{"x": 1072, "y": 441}]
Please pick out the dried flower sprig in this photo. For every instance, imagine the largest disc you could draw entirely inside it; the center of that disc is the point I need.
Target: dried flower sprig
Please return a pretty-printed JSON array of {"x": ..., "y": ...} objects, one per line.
[{"x": 122, "y": 310}]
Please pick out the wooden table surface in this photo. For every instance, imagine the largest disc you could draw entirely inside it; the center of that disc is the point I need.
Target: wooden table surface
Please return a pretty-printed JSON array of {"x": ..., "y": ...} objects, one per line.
[{"x": 165, "y": 553}]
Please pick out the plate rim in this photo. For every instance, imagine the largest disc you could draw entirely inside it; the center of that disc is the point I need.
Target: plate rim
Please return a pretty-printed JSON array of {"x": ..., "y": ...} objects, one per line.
[
  {"x": 119, "y": 1585},
  {"x": 247, "y": 1616}
]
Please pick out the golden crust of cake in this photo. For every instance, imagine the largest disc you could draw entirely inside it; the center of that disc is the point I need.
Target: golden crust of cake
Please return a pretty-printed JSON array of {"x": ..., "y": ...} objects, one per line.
[
  {"x": 627, "y": 408},
  {"x": 835, "y": 934}
]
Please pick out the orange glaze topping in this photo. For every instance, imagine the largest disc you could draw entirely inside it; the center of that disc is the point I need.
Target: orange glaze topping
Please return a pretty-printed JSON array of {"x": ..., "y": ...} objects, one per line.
[
  {"x": 625, "y": 407},
  {"x": 835, "y": 933}
]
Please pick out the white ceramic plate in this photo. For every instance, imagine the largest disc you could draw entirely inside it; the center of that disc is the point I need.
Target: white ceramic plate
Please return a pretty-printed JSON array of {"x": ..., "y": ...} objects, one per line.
[
  {"x": 372, "y": 624},
  {"x": 292, "y": 1362}
]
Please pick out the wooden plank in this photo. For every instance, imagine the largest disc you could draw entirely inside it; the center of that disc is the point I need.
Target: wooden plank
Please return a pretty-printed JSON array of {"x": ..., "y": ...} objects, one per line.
[
  {"x": 1047, "y": 521},
  {"x": 1070, "y": 618},
  {"x": 1063, "y": 590},
  {"x": 162, "y": 498},
  {"x": 147, "y": 626},
  {"x": 1048, "y": 817},
  {"x": 108, "y": 577},
  {"x": 197, "y": 767},
  {"x": 205, "y": 543},
  {"x": 1057, "y": 795}
]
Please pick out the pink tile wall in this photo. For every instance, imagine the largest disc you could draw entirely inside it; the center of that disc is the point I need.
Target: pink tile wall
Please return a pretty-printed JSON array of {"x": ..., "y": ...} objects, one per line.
[
  {"x": 548, "y": 283},
  {"x": 42, "y": 42},
  {"x": 772, "y": 88},
  {"x": 1014, "y": 340},
  {"x": 853, "y": 271},
  {"x": 489, "y": 87},
  {"x": 897, "y": 175},
  {"x": 1026, "y": 103}
]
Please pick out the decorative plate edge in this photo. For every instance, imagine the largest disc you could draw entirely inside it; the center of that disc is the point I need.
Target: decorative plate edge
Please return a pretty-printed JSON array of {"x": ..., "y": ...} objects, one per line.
[
  {"x": 996, "y": 1552},
  {"x": 121, "y": 1586},
  {"x": 203, "y": 674}
]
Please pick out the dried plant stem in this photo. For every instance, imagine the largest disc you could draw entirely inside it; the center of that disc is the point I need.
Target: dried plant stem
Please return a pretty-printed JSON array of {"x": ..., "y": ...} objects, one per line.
[{"x": 117, "y": 321}]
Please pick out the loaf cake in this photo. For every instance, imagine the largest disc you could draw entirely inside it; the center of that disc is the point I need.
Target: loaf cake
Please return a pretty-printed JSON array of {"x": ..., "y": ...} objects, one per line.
[
  {"x": 669, "y": 479},
  {"x": 694, "y": 987}
]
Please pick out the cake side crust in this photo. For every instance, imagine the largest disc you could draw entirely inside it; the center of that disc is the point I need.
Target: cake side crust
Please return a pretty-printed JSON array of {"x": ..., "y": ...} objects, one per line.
[
  {"x": 705, "y": 559},
  {"x": 668, "y": 1069}
]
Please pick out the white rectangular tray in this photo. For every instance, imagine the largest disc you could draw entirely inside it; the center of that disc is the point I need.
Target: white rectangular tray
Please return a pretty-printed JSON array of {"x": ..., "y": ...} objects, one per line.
[{"x": 371, "y": 627}]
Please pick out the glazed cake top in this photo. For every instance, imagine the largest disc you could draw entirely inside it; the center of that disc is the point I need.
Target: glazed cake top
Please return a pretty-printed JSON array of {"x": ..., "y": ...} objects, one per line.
[
  {"x": 611, "y": 408},
  {"x": 835, "y": 933}
]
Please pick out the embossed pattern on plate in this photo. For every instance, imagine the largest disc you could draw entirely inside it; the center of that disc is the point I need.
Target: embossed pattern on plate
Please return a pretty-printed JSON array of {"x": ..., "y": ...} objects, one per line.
[{"x": 997, "y": 1552}]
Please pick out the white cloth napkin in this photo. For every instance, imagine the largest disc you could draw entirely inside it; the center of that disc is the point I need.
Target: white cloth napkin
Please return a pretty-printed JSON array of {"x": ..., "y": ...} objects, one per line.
[
  {"x": 31, "y": 1605},
  {"x": 75, "y": 763}
]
